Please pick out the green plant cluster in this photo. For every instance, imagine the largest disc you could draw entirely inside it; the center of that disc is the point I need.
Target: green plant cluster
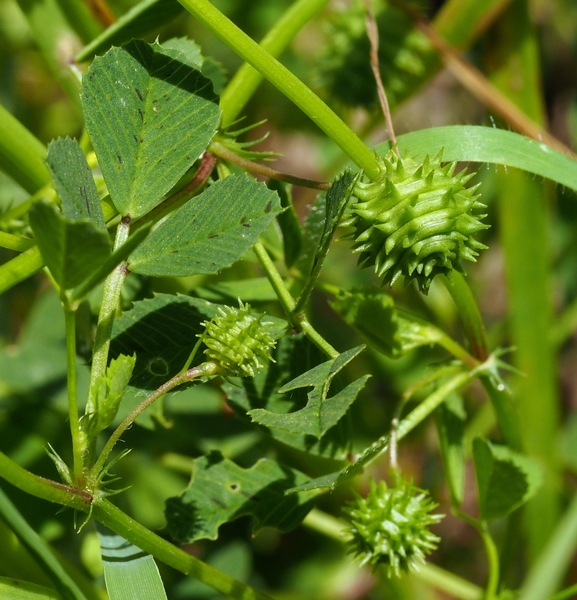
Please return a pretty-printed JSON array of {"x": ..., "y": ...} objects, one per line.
[{"x": 194, "y": 364}]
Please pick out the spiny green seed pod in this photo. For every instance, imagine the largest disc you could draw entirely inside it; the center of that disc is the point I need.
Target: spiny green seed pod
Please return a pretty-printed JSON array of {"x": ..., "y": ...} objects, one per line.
[
  {"x": 415, "y": 220},
  {"x": 238, "y": 341},
  {"x": 390, "y": 526}
]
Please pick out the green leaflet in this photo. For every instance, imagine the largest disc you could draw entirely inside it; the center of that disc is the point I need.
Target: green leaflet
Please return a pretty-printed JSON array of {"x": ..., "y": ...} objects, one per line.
[
  {"x": 210, "y": 232},
  {"x": 337, "y": 199},
  {"x": 293, "y": 355},
  {"x": 73, "y": 181},
  {"x": 321, "y": 413},
  {"x": 128, "y": 571},
  {"x": 109, "y": 393},
  {"x": 221, "y": 491},
  {"x": 149, "y": 115},
  {"x": 192, "y": 55},
  {"x": 72, "y": 249},
  {"x": 505, "y": 479}
]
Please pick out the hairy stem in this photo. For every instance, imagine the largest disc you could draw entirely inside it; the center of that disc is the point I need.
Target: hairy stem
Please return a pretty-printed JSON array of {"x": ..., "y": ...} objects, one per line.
[
  {"x": 47, "y": 489},
  {"x": 260, "y": 169},
  {"x": 207, "y": 368},
  {"x": 108, "y": 308}
]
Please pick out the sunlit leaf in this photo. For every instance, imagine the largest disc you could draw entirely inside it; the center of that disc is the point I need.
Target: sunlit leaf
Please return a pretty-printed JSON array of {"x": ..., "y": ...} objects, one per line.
[
  {"x": 293, "y": 355},
  {"x": 149, "y": 116},
  {"x": 210, "y": 232}
]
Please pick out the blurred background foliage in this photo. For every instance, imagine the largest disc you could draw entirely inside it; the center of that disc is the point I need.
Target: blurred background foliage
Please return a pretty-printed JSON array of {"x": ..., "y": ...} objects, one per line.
[{"x": 331, "y": 56}]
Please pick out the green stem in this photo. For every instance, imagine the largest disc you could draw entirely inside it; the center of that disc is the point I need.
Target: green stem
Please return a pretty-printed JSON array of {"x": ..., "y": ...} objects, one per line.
[
  {"x": 77, "y": 445},
  {"x": 469, "y": 314},
  {"x": 246, "y": 80},
  {"x": 123, "y": 525},
  {"x": 491, "y": 551},
  {"x": 205, "y": 369},
  {"x": 108, "y": 308},
  {"x": 290, "y": 85},
  {"x": 288, "y": 303},
  {"x": 493, "y": 560},
  {"x": 42, "y": 487},
  {"x": 284, "y": 296},
  {"x": 426, "y": 407},
  {"x": 149, "y": 542},
  {"x": 15, "y": 242},
  {"x": 474, "y": 329},
  {"x": 315, "y": 336}
]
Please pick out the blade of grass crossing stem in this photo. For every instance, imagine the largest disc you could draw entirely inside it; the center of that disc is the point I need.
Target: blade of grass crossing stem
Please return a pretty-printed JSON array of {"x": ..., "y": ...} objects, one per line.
[
  {"x": 549, "y": 570},
  {"x": 16, "y": 589},
  {"x": 67, "y": 589},
  {"x": 524, "y": 223},
  {"x": 128, "y": 571}
]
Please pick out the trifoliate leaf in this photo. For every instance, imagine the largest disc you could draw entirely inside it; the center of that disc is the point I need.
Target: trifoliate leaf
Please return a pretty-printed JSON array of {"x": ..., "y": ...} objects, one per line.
[
  {"x": 221, "y": 491},
  {"x": 505, "y": 479}
]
